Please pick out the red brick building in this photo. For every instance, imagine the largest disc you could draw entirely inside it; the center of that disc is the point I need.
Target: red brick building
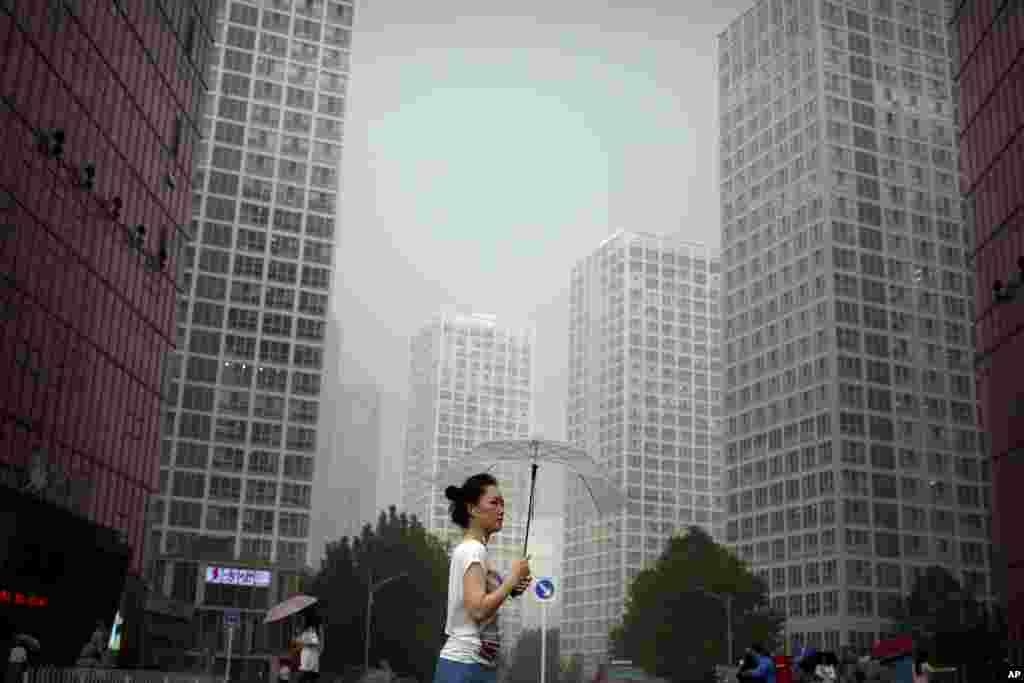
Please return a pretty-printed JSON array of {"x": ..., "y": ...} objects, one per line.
[
  {"x": 99, "y": 105},
  {"x": 991, "y": 77}
]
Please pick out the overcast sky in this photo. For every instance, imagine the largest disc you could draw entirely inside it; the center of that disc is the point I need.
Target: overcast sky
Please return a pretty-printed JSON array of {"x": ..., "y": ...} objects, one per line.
[{"x": 489, "y": 146}]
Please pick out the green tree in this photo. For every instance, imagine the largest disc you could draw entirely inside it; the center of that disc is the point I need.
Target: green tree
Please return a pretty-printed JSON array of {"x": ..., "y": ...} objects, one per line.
[
  {"x": 408, "y": 614},
  {"x": 674, "y": 629},
  {"x": 525, "y": 666},
  {"x": 572, "y": 669},
  {"x": 948, "y": 623},
  {"x": 937, "y": 603}
]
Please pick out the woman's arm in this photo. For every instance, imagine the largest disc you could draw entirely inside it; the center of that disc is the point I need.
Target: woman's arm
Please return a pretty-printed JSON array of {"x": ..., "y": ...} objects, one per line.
[{"x": 480, "y": 604}]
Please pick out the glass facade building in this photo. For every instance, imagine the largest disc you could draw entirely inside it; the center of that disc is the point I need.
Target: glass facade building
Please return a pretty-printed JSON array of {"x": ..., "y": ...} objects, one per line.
[
  {"x": 645, "y": 377},
  {"x": 99, "y": 107},
  {"x": 852, "y": 456},
  {"x": 470, "y": 381},
  {"x": 990, "y": 37},
  {"x": 243, "y": 391}
]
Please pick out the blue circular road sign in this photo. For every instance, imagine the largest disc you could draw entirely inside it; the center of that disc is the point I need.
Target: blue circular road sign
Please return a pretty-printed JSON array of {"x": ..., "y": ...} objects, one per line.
[{"x": 544, "y": 589}]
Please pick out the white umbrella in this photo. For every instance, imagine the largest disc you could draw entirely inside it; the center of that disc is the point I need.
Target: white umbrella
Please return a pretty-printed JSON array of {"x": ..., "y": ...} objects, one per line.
[
  {"x": 291, "y": 606},
  {"x": 28, "y": 641},
  {"x": 535, "y": 453}
]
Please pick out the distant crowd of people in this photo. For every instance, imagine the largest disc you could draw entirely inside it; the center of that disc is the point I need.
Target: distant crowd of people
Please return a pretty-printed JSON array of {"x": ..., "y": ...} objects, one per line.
[{"x": 812, "y": 666}]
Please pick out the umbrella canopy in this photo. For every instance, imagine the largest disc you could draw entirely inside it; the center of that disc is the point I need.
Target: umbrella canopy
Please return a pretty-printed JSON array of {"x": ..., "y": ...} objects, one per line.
[
  {"x": 536, "y": 454},
  {"x": 28, "y": 641},
  {"x": 292, "y": 605}
]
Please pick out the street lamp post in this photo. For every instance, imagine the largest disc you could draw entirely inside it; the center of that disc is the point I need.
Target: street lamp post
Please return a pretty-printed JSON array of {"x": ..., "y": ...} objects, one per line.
[
  {"x": 726, "y": 600},
  {"x": 369, "y": 610}
]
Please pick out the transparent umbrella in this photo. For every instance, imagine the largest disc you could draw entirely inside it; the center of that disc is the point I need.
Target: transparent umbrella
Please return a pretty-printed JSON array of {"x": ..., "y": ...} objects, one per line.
[{"x": 535, "y": 454}]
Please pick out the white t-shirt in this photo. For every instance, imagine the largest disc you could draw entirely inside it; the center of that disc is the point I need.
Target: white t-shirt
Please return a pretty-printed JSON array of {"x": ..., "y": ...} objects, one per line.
[
  {"x": 309, "y": 659},
  {"x": 463, "y": 644}
]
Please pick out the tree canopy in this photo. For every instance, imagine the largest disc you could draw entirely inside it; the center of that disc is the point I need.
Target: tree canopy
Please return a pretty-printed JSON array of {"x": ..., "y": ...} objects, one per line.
[
  {"x": 949, "y": 624},
  {"x": 674, "y": 629},
  {"x": 525, "y": 664},
  {"x": 408, "y": 614}
]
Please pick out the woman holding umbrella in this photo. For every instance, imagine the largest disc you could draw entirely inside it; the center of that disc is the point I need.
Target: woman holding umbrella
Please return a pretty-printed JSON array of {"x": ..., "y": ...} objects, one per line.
[{"x": 475, "y": 592}]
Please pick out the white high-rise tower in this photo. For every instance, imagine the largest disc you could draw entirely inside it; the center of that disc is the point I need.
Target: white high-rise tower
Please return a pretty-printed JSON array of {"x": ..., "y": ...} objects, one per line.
[
  {"x": 471, "y": 381},
  {"x": 243, "y": 390},
  {"x": 852, "y": 453},
  {"x": 644, "y": 400}
]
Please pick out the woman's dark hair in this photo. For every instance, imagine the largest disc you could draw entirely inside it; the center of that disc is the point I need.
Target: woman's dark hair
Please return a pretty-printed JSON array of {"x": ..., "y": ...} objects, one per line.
[
  {"x": 312, "y": 619},
  {"x": 468, "y": 494}
]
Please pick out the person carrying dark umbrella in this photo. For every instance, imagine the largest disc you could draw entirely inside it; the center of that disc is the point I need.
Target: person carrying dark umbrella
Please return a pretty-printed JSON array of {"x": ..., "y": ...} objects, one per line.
[{"x": 475, "y": 593}]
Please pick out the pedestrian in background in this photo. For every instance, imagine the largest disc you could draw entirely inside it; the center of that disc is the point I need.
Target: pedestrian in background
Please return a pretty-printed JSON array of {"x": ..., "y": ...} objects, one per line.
[
  {"x": 17, "y": 660},
  {"x": 765, "y": 670},
  {"x": 311, "y": 641}
]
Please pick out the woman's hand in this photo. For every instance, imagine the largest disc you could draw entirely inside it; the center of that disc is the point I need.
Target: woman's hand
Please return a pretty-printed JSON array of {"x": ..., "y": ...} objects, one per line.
[
  {"x": 522, "y": 586},
  {"x": 521, "y": 569}
]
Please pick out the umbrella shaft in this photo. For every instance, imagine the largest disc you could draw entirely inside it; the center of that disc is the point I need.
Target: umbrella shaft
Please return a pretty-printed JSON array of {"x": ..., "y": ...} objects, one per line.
[{"x": 529, "y": 509}]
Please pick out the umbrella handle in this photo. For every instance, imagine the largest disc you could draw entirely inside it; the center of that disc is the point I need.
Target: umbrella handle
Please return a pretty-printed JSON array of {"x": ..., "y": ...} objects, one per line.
[{"x": 529, "y": 509}]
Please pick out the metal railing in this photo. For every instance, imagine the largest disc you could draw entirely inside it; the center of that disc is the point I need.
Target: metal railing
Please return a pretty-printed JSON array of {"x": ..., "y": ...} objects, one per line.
[{"x": 100, "y": 675}]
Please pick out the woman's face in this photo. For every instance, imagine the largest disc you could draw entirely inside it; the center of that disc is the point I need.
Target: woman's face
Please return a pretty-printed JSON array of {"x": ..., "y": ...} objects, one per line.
[{"x": 489, "y": 511}]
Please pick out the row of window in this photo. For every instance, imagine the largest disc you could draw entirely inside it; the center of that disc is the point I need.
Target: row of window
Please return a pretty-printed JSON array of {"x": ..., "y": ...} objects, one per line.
[
  {"x": 228, "y": 401},
  {"x": 879, "y": 514},
  {"x": 230, "y": 430},
  {"x": 279, "y": 298},
  {"x": 197, "y": 455},
  {"x": 243, "y": 320},
  {"x": 275, "y": 28},
  {"x": 188, "y": 514},
  {"x": 185, "y": 543},
  {"x": 226, "y": 488},
  {"x": 300, "y": 54},
  {"x": 228, "y": 184}
]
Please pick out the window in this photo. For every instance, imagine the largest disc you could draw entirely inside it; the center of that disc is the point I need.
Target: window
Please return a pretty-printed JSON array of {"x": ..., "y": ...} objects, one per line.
[
  {"x": 280, "y": 298},
  {"x": 246, "y": 292},
  {"x": 225, "y": 488},
  {"x": 272, "y": 379},
  {"x": 280, "y": 271},
  {"x": 189, "y": 484},
  {"x": 277, "y": 324},
  {"x": 186, "y": 514},
  {"x": 319, "y": 226},
  {"x": 295, "y": 495},
  {"x": 252, "y": 240},
  {"x": 264, "y": 462},
  {"x": 308, "y": 356},
  {"x": 260, "y": 492},
  {"x": 294, "y": 525},
  {"x": 311, "y": 329},
  {"x": 313, "y": 304},
  {"x": 247, "y": 266},
  {"x": 227, "y": 459},
  {"x": 209, "y": 287},
  {"x": 220, "y": 518},
  {"x": 305, "y": 383},
  {"x": 317, "y": 278},
  {"x": 301, "y": 439},
  {"x": 300, "y": 98},
  {"x": 258, "y": 521},
  {"x": 303, "y": 411},
  {"x": 243, "y": 320},
  {"x": 298, "y": 467}
]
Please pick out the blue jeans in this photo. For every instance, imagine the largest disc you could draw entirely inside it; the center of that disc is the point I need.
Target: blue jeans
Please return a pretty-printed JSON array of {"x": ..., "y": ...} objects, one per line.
[{"x": 457, "y": 672}]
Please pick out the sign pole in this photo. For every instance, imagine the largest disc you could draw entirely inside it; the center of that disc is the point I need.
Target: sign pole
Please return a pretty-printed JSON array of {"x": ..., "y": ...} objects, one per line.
[
  {"x": 231, "y": 641},
  {"x": 544, "y": 589},
  {"x": 543, "y": 640}
]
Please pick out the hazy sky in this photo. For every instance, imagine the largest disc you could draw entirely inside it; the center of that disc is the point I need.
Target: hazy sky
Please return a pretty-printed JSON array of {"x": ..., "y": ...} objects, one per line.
[{"x": 489, "y": 146}]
